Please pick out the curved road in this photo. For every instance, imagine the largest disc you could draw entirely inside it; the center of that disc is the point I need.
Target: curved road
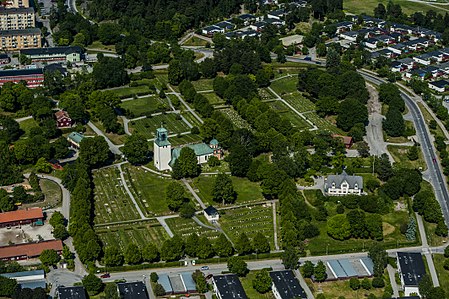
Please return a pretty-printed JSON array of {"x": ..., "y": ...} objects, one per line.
[{"x": 436, "y": 176}]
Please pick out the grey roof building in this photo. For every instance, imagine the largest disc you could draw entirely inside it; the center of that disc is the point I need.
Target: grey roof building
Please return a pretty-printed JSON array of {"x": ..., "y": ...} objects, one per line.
[
  {"x": 343, "y": 184},
  {"x": 228, "y": 287},
  {"x": 411, "y": 270},
  {"x": 132, "y": 290},
  {"x": 286, "y": 286},
  {"x": 71, "y": 293}
]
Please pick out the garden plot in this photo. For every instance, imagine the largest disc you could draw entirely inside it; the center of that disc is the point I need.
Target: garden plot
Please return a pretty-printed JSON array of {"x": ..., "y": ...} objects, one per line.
[
  {"x": 236, "y": 119},
  {"x": 139, "y": 234},
  {"x": 185, "y": 227},
  {"x": 249, "y": 220},
  {"x": 247, "y": 191},
  {"x": 147, "y": 126},
  {"x": 146, "y": 105},
  {"x": 148, "y": 189},
  {"x": 112, "y": 203}
]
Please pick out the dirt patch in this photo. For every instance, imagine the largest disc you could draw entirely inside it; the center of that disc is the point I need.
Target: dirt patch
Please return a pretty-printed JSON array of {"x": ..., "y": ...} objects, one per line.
[{"x": 387, "y": 228}]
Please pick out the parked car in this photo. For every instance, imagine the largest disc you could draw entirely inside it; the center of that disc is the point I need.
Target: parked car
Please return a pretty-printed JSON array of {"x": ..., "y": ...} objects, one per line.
[
  {"x": 106, "y": 275},
  {"x": 204, "y": 268},
  {"x": 308, "y": 58}
]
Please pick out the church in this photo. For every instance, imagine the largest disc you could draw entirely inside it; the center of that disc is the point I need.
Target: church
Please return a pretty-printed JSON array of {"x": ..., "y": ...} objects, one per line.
[{"x": 165, "y": 156}]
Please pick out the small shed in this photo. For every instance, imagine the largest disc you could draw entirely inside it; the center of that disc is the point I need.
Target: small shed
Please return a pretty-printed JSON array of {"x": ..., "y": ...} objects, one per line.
[{"x": 211, "y": 214}]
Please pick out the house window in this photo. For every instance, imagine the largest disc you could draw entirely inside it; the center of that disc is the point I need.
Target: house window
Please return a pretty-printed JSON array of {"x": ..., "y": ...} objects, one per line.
[{"x": 356, "y": 186}]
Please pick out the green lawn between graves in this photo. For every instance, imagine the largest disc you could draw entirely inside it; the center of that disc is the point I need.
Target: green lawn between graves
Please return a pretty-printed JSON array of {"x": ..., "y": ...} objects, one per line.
[
  {"x": 203, "y": 84},
  {"x": 127, "y": 92},
  {"x": 185, "y": 227},
  {"x": 247, "y": 283},
  {"x": 408, "y": 7},
  {"x": 146, "y": 105},
  {"x": 147, "y": 126},
  {"x": 246, "y": 190}
]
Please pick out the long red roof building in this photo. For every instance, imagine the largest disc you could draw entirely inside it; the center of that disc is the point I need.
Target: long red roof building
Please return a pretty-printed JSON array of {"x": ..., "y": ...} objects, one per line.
[
  {"x": 21, "y": 217},
  {"x": 28, "y": 250}
]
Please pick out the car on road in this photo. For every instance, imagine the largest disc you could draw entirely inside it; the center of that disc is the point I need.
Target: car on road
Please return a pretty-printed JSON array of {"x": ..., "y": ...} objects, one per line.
[
  {"x": 204, "y": 268},
  {"x": 209, "y": 276},
  {"x": 308, "y": 58},
  {"x": 106, "y": 275},
  {"x": 434, "y": 160}
]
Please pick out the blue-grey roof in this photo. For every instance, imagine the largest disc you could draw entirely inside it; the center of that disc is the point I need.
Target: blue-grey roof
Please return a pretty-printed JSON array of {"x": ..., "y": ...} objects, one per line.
[
  {"x": 348, "y": 268},
  {"x": 188, "y": 282},
  {"x": 337, "y": 269},
  {"x": 352, "y": 180},
  {"x": 211, "y": 211},
  {"x": 164, "y": 281},
  {"x": 440, "y": 83},
  {"x": 42, "y": 283},
  {"x": 76, "y": 137},
  {"x": 23, "y": 274},
  {"x": 368, "y": 265}
]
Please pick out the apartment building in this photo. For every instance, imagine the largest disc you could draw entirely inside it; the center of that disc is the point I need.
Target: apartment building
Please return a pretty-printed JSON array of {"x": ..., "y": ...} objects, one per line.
[
  {"x": 14, "y": 40},
  {"x": 16, "y": 18},
  {"x": 16, "y": 3}
]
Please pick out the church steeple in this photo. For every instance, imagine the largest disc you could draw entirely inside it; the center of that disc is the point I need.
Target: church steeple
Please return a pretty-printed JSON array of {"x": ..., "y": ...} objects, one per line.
[{"x": 162, "y": 137}]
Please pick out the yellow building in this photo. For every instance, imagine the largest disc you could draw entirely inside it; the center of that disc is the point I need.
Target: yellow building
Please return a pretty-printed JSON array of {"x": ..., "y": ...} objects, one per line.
[
  {"x": 17, "y": 3},
  {"x": 14, "y": 40},
  {"x": 17, "y": 18}
]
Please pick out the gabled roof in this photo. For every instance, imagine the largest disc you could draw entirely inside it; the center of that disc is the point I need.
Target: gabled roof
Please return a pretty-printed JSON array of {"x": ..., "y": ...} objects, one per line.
[
  {"x": 60, "y": 114},
  {"x": 440, "y": 83},
  {"x": 132, "y": 290},
  {"x": 21, "y": 215},
  {"x": 352, "y": 180},
  {"x": 76, "y": 137},
  {"x": 29, "y": 249},
  {"x": 52, "y": 51},
  {"x": 246, "y": 16},
  {"x": 200, "y": 149},
  {"x": 287, "y": 285},
  {"x": 211, "y": 211}
]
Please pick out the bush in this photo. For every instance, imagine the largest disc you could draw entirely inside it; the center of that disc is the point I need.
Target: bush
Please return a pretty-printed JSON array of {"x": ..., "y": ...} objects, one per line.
[
  {"x": 378, "y": 282},
  {"x": 154, "y": 277},
  {"x": 354, "y": 283},
  {"x": 446, "y": 264}
]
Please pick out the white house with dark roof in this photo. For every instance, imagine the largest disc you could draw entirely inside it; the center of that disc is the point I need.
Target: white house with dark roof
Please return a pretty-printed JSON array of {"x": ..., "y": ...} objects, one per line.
[
  {"x": 211, "y": 214},
  {"x": 343, "y": 184},
  {"x": 439, "y": 86},
  {"x": 411, "y": 270},
  {"x": 286, "y": 286}
]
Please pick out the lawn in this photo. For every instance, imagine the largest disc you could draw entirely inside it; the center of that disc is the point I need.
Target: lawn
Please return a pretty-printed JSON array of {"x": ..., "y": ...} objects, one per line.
[
  {"x": 247, "y": 283},
  {"x": 112, "y": 203},
  {"x": 246, "y": 190},
  {"x": 185, "y": 139},
  {"x": 27, "y": 125},
  {"x": 443, "y": 274},
  {"x": 428, "y": 117},
  {"x": 195, "y": 41},
  {"x": 148, "y": 189},
  {"x": 139, "y": 233},
  {"x": 399, "y": 154},
  {"x": 203, "y": 84},
  {"x": 191, "y": 118},
  {"x": 147, "y": 126},
  {"x": 52, "y": 193},
  {"x": 128, "y": 92},
  {"x": 323, "y": 124},
  {"x": 97, "y": 45},
  {"x": 185, "y": 227},
  {"x": 213, "y": 98},
  {"x": 335, "y": 289},
  {"x": 249, "y": 220},
  {"x": 146, "y": 105},
  {"x": 408, "y": 7},
  {"x": 115, "y": 138},
  {"x": 299, "y": 102},
  {"x": 285, "y": 85}
]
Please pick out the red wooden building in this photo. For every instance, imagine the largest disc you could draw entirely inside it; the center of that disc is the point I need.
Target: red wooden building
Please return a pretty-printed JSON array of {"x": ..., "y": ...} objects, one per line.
[
  {"x": 63, "y": 119},
  {"x": 28, "y": 250},
  {"x": 22, "y": 217},
  {"x": 33, "y": 77}
]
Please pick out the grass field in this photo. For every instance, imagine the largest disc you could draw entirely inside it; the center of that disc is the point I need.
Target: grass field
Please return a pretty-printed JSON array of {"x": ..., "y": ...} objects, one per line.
[
  {"x": 147, "y": 126},
  {"x": 246, "y": 191},
  {"x": 247, "y": 283},
  {"x": 203, "y": 84},
  {"x": 146, "y": 105},
  {"x": 98, "y": 45},
  {"x": 408, "y": 7},
  {"x": 115, "y": 138},
  {"x": 185, "y": 227},
  {"x": 236, "y": 119},
  {"x": 399, "y": 154},
  {"x": 140, "y": 234},
  {"x": 112, "y": 203},
  {"x": 299, "y": 102},
  {"x": 148, "y": 189},
  {"x": 195, "y": 41},
  {"x": 249, "y": 220},
  {"x": 322, "y": 124},
  {"x": 52, "y": 193},
  {"x": 285, "y": 85},
  {"x": 185, "y": 139},
  {"x": 335, "y": 289},
  {"x": 27, "y": 125},
  {"x": 213, "y": 98},
  {"x": 127, "y": 92},
  {"x": 284, "y": 111},
  {"x": 443, "y": 274},
  {"x": 191, "y": 119}
]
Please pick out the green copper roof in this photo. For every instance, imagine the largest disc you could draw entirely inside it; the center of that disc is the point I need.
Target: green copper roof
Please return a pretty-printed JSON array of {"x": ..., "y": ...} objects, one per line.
[
  {"x": 201, "y": 149},
  {"x": 76, "y": 137},
  {"x": 214, "y": 142}
]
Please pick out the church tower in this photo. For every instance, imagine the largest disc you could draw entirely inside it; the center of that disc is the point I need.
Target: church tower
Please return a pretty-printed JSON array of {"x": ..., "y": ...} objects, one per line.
[{"x": 162, "y": 150}]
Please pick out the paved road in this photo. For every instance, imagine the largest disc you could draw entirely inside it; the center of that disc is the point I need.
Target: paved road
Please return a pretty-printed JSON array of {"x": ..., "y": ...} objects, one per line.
[
  {"x": 436, "y": 176},
  {"x": 394, "y": 285},
  {"x": 185, "y": 104},
  {"x": 275, "y": 227},
  {"x": 112, "y": 147}
]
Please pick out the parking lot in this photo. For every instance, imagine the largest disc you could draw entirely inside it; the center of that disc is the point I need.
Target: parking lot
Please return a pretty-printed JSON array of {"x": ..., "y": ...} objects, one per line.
[{"x": 25, "y": 233}]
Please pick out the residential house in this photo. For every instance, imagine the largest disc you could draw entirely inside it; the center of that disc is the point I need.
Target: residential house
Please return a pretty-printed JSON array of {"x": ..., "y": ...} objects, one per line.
[
  {"x": 348, "y": 141},
  {"x": 403, "y": 65},
  {"x": 132, "y": 290},
  {"x": 277, "y": 14},
  {"x": 211, "y": 214},
  {"x": 75, "y": 139},
  {"x": 425, "y": 59},
  {"x": 286, "y": 286},
  {"x": 28, "y": 279},
  {"x": 401, "y": 28},
  {"x": 228, "y": 287},
  {"x": 247, "y": 19},
  {"x": 77, "y": 292},
  {"x": 33, "y": 216},
  {"x": 211, "y": 30},
  {"x": 258, "y": 26},
  {"x": 384, "y": 53},
  {"x": 350, "y": 35},
  {"x": 411, "y": 271},
  {"x": 33, "y": 77},
  {"x": 344, "y": 26},
  {"x": 25, "y": 251},
  {"x": 226, "y": 26},
  {"x": 397, "y": 48},
  {"x": 371, "y": 43},
  {"x": 63, "y": 119},
  {"x": 439, "y": 86},
  {"x": 343, "y": 184},
  {"x": 428, "y": 72},
  {"x": 275, "y": 22}
]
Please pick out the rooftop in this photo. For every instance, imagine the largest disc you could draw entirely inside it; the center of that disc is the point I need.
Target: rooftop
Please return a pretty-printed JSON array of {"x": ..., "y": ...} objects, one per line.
[
  {"x": 24, "y": 274},
  {"x": 21, "y": 72},
  {"x": 52, "y": 51},
  {"x": 76, "y": 137},
  {"x": 61, "y": 113},
  {"x": 15, "y": 10},
  {"x": 440, "y": 83},
  {"x": 287, "y": 284},
  {"x": 71, "y": 293},
  {"x": 29, "y": 249},
  {"x": 35, "y": 31},
  {"x": 229, "y": 287},
  {"x": 21, "y": 215},
  {"x": 188, "y": 282},
  {"x": 338, "y": 179},
  {"x": 200, "y": 149},
  {"x": 211, "y": 211},
  {"x": 412, "y": 267},
  {"x": 132, "y": 290}
]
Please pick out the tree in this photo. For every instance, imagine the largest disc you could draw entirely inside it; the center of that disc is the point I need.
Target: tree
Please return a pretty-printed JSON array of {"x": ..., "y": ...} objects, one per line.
[
  {"x": 7, "y": 286},
  {"x": 204, "y": 248},
  {"x": 290, "y": 258},
  {"x": 200, "y": 281},
  {"x": 49, "y": 257},
  {"x": 43, "y": 166},
  {"x": 175, "y": 195},
  {"x": 338, "y": 227},
  {"x": 172, "y": 249},
  {"x": 94, "y": 151},
  {"x": 223, "y": 247},
  {"x": 354, "y": 283},
  {"x": 110, "y": 291},
  {"x": 412, "y": 153},
  {"x": 113, "y": 256},
  {"x": 319, "y": 272},
  {"x": 60, "y": 232},
  {"x": 92, "y": 283},
  {"x": 136, "y": 149},
  {"x": 186, "y": 165},
  {"x": 133, "y": 254},
  {"x": 6, "y": 201},
  {"x": 57, "y": 219},
  {"x": 366, "y": 284},
  {"x": 351, "y": 112},
  {"x": 243, "y": 245},
  {"x": 262, "y": 281},
  {"x": 307, "y": 269},
  {"x": 239, "y": 161},
  {"x": 379, "y": 257},
  {"x": 436, "y": 293},
  {"x": 154, "y": 277},
  {"x": 394, "y": 124},
  {"x": 109, "y": 72},
  {"x": 187, "y": 210},
  {"x": 380, "y": 11},
  {"x": 446, "y": 252},
  {"x": 159, "y": 290},
  {"x": 425, "y": 286},
  {"x": 260, "y": 243},
  {"x": 332, "y": 59},
  {"x": 150, "y": 253},
  {"x": 237, "y": 266},
  {"x": 223, "y": 189}
]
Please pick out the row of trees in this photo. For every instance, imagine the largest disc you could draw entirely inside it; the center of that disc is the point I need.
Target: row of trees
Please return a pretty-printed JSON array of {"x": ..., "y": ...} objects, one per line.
[
  {"x": 355, "y": 224},
  {"x": 393, "y": 124}
]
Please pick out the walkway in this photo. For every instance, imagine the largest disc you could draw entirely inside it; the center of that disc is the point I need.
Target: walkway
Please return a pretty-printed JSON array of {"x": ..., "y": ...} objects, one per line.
[
  {"x": 427, "y": 251},
  {"x": 165, "y": 225},
  {"x": 197, "y": 198},
  {"x": 304, "y": 285},
  {"x": 394, "y": 285},
  {"x": 314, "y": 127},
  {"x": 275, "y": 227},
  {"x": 112, "y": 147},
  {"x": 122, "y": 176},
  {"x": 23, "y": 118},
  {"x": 185, "y": 103}
]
